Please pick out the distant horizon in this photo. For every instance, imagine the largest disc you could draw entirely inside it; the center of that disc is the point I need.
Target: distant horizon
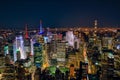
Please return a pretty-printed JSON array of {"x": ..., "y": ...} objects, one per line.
[
  {"x": 37, "y": 26},
  {"x": 90, "y": 24},
  {"x": 29, "y": 28}
]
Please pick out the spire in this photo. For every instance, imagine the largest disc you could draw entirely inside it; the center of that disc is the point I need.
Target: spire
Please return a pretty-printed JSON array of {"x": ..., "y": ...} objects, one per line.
[
  {"x": 41, "y": 30},
  {"x": 95, "y": 24},
  {"x": 26, "y": 32}
]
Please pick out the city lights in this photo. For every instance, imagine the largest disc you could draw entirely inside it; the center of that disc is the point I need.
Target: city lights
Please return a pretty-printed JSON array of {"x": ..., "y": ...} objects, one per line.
[{"x": 63, "y": 53}]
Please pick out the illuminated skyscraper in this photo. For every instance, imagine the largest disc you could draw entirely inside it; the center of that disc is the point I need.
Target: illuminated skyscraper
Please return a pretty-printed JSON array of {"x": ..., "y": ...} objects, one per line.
[
  {"x": 32, "y": 47},
  {"x": 107, "y": 42},
  {"x": 61, "y": 52},
  {"x": 18, "y": 45},
  {"x": 95, "y": 27},
  {"x": 27, "y": 47},
  {"x": 26, "y": 32},
  {"x": 70, "y": 38},
  {"x": 95, "y": 24}
]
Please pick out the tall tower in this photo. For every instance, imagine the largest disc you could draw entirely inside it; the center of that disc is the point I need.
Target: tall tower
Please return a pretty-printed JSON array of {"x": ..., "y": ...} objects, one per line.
[
  {"x": 95, "y": 31},
  {"x": 26, "y": 32},
  {"x": 95, "y": 24},
  {"x": 41, "y": 29},
  {"x": 95, "y": 27}
]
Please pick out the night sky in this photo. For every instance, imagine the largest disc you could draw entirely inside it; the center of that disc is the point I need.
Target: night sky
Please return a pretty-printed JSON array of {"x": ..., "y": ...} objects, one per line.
[{"x": 59, "y": 13}]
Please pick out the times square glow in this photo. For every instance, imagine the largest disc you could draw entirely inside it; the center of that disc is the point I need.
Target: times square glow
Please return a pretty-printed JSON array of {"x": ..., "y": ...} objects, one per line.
[{"x": 19, "y": 46}]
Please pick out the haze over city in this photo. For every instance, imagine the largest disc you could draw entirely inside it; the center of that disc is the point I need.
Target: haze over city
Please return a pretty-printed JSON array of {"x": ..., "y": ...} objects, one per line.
[{"x": 59, "y": 13}]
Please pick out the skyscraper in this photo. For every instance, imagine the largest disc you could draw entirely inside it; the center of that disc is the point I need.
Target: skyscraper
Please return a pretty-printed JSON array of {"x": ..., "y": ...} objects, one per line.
[
  {"x": 26, "y": 32},
  {"x": 38, "y": 58},
  {"x": 18, "y": 45},
  {"x": 70, "y": 38},
  {"x": 41, "y": 29}
]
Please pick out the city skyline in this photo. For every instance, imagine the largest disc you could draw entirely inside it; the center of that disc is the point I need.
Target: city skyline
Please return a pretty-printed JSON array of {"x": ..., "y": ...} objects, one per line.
[{"x": 54, "y": 13}]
